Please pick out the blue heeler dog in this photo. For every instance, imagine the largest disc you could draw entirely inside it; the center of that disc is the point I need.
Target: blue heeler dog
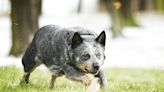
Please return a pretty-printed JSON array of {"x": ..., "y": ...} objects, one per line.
[{"x": 73, "y": 52}]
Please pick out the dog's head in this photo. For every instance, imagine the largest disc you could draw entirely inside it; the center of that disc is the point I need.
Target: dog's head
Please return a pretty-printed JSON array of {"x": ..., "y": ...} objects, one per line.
[{"x": 88, "y": 52}]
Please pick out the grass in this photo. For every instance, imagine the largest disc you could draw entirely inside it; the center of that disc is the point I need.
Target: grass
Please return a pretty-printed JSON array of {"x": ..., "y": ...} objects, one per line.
[{"x": 120, "y": 80}]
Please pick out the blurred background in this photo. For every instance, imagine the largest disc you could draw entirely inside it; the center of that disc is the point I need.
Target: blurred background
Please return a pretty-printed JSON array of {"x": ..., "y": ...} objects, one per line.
[{"x": 135, "y": 28}]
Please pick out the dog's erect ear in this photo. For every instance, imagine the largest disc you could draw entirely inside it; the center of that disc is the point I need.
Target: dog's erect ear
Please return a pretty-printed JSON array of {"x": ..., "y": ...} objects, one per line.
[
  {"x": 101, "y": 38},
  {"x": 76, "y": 40}
]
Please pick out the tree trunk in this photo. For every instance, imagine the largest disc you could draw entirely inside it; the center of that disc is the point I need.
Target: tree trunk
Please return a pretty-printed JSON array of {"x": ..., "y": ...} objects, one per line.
[
  {"x": 135, "y": 6},
  {"x": 79, "y": 6},
  {"x": 35, "y": 9},
  {"x": 160, "y": 6},
  {"x": 142, "y": 5},
  {"x": 121, "y": 15},
  {"x": 117, "y": 23},
  {"x": 24, "y": 22},
  {"x": 39, "y": 7},
  {"x": 127, "y": 14},
  {"x": 149, "y": 5}
]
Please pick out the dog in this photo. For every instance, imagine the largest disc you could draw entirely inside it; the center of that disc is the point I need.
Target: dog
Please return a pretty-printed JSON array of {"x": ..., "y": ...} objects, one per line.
[{"x": 73, "y": 52}]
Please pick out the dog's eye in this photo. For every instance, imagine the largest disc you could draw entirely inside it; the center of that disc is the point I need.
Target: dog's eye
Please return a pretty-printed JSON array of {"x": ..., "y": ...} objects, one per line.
[
  {"x": 98, "y": 55},
  {"x": 85, "y": 57}
]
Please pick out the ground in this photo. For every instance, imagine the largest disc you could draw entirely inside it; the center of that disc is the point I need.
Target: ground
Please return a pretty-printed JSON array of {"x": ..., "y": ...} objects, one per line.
[{"x": 120, "y": 80}]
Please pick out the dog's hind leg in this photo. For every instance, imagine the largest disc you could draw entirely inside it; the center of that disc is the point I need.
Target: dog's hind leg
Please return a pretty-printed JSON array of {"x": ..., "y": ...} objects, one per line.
[
  {"x": 28, "y": 69},
  {"x": 29, "y": 62}
]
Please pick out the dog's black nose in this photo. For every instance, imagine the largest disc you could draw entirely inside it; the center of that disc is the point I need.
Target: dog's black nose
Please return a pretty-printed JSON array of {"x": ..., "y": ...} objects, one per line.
[{"x": 96, "y": 66}]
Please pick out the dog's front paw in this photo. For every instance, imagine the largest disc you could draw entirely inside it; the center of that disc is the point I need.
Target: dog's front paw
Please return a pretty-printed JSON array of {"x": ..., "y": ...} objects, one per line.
[
  {"x": 94, "y": 86},
  {"x": 103, "y": 80}
]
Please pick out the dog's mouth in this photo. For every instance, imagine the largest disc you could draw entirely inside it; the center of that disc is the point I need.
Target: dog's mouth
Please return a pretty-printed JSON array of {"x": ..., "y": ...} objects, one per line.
[
  {"x": 92, "y": 72},
  {"x": 95, "y": 72}
]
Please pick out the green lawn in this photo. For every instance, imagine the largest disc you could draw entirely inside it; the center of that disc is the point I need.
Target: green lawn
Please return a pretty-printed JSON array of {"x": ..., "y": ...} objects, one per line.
[{"x": 120, "y": 80}]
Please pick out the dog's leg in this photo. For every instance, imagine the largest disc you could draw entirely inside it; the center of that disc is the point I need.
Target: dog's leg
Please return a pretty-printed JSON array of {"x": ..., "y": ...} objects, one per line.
[
  {"x": 102, "y": 78},
  {"x": 30, "y": 62},
  {"x": 73, "y": 74},
  {"x": 94, "y": 86},
  {"x": 25, "y": 78},
  {"x": 28, "y": 68},
  {"x": 53, "y": 79}
]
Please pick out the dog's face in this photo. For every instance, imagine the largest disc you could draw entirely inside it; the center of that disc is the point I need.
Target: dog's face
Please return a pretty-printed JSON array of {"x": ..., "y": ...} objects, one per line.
[{"x": 88, "y": 53}]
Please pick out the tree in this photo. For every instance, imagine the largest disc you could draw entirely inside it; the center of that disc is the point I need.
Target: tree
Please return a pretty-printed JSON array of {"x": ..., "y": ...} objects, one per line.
[
  {"x": 79, "y": 6},
  {"x": 135, "y": 6},
  {"x": 120, "y": 13},
  {"x": 24, "y": 18},
  {"x": 159, "y": 6},
  {"x": 149, "y": 5}
]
